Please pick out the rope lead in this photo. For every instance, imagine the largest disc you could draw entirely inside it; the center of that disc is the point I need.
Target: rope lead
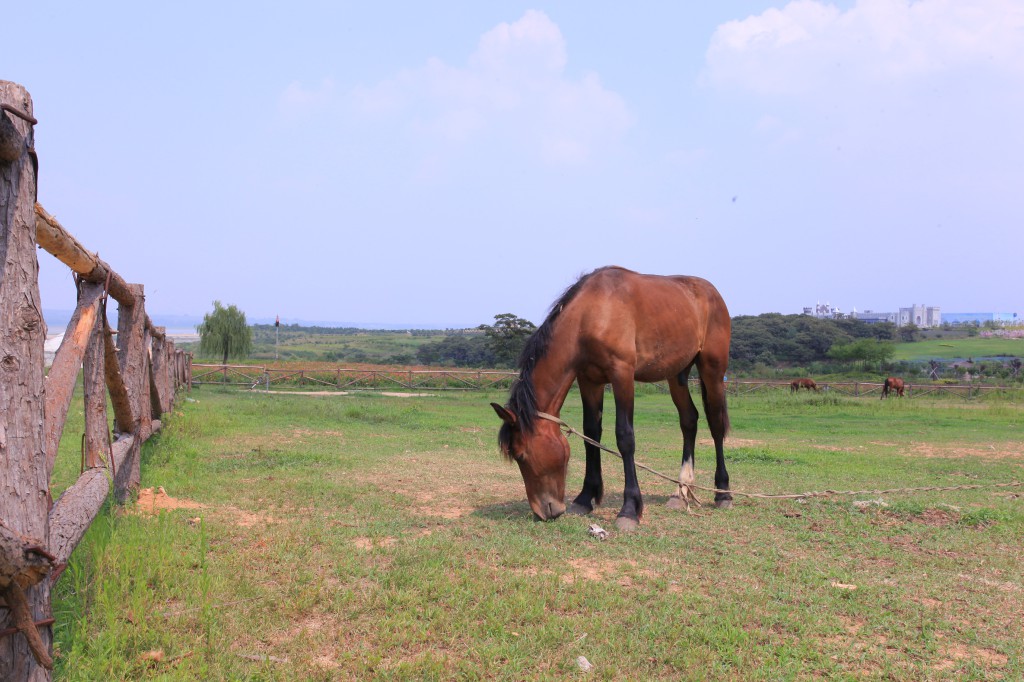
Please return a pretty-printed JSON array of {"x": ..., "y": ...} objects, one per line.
[{"x": 568, "y": 430}]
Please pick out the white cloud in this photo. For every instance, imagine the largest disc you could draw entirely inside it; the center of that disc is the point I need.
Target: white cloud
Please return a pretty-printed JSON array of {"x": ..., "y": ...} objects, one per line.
[
  {"x": 809, "y": 44},
  {"x": 297, "y": 100},
  {"x": 514, "y": 88}
]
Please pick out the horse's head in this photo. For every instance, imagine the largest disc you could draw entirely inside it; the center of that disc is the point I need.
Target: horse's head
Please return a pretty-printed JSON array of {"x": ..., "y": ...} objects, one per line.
[{"x": 542, "y": 453}]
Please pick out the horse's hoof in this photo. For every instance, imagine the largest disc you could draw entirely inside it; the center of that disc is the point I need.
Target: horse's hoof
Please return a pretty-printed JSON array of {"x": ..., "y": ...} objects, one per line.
[
  {"x": 626, "y": 524},
  {"x": 576, "y": 509},
  {"x": 724, "y": 503},
  {"x": 675, "y": 502}
]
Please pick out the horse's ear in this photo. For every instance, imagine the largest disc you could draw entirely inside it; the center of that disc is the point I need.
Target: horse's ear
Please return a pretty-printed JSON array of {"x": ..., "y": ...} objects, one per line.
[{"x": 505, "y": 415}]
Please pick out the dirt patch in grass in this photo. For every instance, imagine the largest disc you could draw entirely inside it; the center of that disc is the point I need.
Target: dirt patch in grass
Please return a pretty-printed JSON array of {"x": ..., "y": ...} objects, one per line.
[
  {"x": 912, "y": 545},
  {"x": 955, "y": 654},
  {"x": 999, "y": 585},
  {"x": 1001, "y": 451},
  {"x": 245, "y": 444},
  {"x": 246, "y": 519},
  {"x": 732, "y": 442},
  {"x": 154, "y": 500},
  {"x": 369, "y": 543},
  {"x": 624, "y": 573},
  {"x": 448, "y": 484},
  {"x": 938, "y": 518},
  {"x": 307, "y": 624}
]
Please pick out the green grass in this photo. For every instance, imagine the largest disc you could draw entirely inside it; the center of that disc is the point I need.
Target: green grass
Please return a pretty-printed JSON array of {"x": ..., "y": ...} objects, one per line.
[
  {"x": 951, "y": 349},
  {"x": 368, "y": 537}
]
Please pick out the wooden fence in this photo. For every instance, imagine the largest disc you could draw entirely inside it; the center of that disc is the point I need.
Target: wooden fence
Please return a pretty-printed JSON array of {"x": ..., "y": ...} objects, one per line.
[
  {"x": 140, "y": 374},
  {"x": 342, "y": 379},
  {"x": 257, "y": 377}
]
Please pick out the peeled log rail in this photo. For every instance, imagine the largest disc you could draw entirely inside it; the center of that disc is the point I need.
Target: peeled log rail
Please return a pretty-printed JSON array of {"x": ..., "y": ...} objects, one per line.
[
  {"x": 52, "y": 236},
  {"x": 60, "y": 381},
  {"x": 78, "y": 506}
]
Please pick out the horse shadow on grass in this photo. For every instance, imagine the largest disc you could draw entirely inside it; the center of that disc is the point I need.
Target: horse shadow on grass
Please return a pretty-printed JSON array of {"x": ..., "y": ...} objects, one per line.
[{"x": 515, "y": 509}]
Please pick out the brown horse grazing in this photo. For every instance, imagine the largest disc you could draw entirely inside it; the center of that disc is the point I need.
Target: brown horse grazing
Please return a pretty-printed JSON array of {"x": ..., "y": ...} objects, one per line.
[
  {"x": 797, "y": 384},
  {"x": 615, "y": 326},
  {"x": 895, "y": 384}
]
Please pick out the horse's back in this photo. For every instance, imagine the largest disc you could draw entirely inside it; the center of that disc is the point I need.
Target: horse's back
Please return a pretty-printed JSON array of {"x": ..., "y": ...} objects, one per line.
[
  {"x": 658, "y": 322},
  {"x": 663, "y": 298}
]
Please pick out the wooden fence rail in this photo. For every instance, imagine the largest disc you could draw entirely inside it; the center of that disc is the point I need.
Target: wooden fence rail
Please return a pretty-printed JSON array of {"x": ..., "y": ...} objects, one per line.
[
  {"x": 140, "y": 375},
  {"x": 340, "y": 379}
]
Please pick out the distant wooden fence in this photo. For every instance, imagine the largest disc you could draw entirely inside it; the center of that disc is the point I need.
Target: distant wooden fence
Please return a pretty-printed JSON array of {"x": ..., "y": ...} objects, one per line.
[
  {"x": 140, "y": 375},
  {"x": 869, "y": 389},
  {"x": 258, "y": 377},
  {"x": 341, "y": 379}
]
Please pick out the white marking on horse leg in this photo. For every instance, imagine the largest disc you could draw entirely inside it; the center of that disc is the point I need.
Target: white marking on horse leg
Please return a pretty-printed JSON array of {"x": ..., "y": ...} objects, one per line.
[{"x": 684, "y": 494}]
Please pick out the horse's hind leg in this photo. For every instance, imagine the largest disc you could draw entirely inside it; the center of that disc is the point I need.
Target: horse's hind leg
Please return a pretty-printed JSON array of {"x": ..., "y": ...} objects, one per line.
[
  {"x": 678, "y": 387},
  {"x": 593, "y": 485},
  {"x": 712, "y": 389}
]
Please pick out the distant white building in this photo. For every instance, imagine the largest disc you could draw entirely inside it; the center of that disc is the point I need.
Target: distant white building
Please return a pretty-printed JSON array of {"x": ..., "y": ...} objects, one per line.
[
  {"x": 824, "y": 311},
  {"x": 921, "y": 315},
  {"x": 871, "y": 317}
]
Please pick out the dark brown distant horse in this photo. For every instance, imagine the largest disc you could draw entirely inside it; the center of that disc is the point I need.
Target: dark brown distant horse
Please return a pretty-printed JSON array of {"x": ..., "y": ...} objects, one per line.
[
  {"x": 615, "y": 326},
  {"x": 892, "y": 383},
  {"x": 797, "y": 384}
]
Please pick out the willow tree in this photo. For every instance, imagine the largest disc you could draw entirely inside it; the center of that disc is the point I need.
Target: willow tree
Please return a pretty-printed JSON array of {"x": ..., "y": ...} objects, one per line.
[{"x": 224, "y": 332}]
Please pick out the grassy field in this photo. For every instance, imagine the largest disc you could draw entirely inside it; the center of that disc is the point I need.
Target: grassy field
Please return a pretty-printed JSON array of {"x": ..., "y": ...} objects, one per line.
[
  {"x": 952, "y": 349},
  {"x": 344, "y": 346},
  {"x": 364, "y": 536}
]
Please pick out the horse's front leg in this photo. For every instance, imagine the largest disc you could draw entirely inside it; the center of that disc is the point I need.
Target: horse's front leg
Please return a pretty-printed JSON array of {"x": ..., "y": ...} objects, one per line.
[
  {"x": 593, "y": 483},
  {"x": 632, "y": 502}
]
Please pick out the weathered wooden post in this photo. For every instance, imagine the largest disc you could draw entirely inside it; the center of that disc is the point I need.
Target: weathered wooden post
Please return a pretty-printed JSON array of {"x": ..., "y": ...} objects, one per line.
[
  {"x": 157, "y": 372},
  {"x": 97, "y": 425},
  {"x": 132, "y": 358},
  {"x": 24, "y": 483}
]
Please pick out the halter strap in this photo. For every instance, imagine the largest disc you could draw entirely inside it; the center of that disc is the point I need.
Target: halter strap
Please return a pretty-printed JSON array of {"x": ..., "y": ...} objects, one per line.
[{"x": 553, "y": 418}]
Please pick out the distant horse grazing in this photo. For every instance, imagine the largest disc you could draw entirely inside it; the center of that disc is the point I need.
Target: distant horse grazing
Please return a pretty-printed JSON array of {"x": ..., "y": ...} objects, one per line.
[
  {"x": 619, "y": 327},
  {"x": 797, "y": 384},
  {"x": 893, "y": 383}
]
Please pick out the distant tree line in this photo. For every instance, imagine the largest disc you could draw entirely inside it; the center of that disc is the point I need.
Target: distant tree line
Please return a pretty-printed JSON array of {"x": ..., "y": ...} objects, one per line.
[
  {"x": 499, "y": 345},
  {"x": 773, "y": 339},
  {"x": 770, "y": 340},
  {"x": 266, "y": 333}
]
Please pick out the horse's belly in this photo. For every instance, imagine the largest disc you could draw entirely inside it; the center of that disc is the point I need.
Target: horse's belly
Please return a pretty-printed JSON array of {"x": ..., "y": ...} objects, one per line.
[{"x": 657, "y": 369}]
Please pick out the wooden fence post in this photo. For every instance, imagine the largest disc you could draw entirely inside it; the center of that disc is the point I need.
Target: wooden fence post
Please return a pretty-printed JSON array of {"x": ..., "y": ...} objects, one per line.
[
  {"x": 23, "y": 471},
  {"x": 97, "y": 425},
  {"x": 157, "y": 371},
  {"x": 132, "y": 358},
  {"x": 167, "y": 374}
]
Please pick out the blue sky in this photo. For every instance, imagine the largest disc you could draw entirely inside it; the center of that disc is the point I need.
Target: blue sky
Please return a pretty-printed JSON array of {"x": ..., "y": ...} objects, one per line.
[{"x": 435, "y": 164}]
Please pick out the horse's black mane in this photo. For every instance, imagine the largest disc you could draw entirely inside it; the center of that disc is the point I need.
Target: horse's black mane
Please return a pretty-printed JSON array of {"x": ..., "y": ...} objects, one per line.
[{"x": 522, "y": 400}]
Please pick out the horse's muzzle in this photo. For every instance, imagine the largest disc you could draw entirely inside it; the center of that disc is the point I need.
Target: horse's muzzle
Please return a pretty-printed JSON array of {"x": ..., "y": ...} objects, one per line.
[{"x": 549, "y": 510}]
